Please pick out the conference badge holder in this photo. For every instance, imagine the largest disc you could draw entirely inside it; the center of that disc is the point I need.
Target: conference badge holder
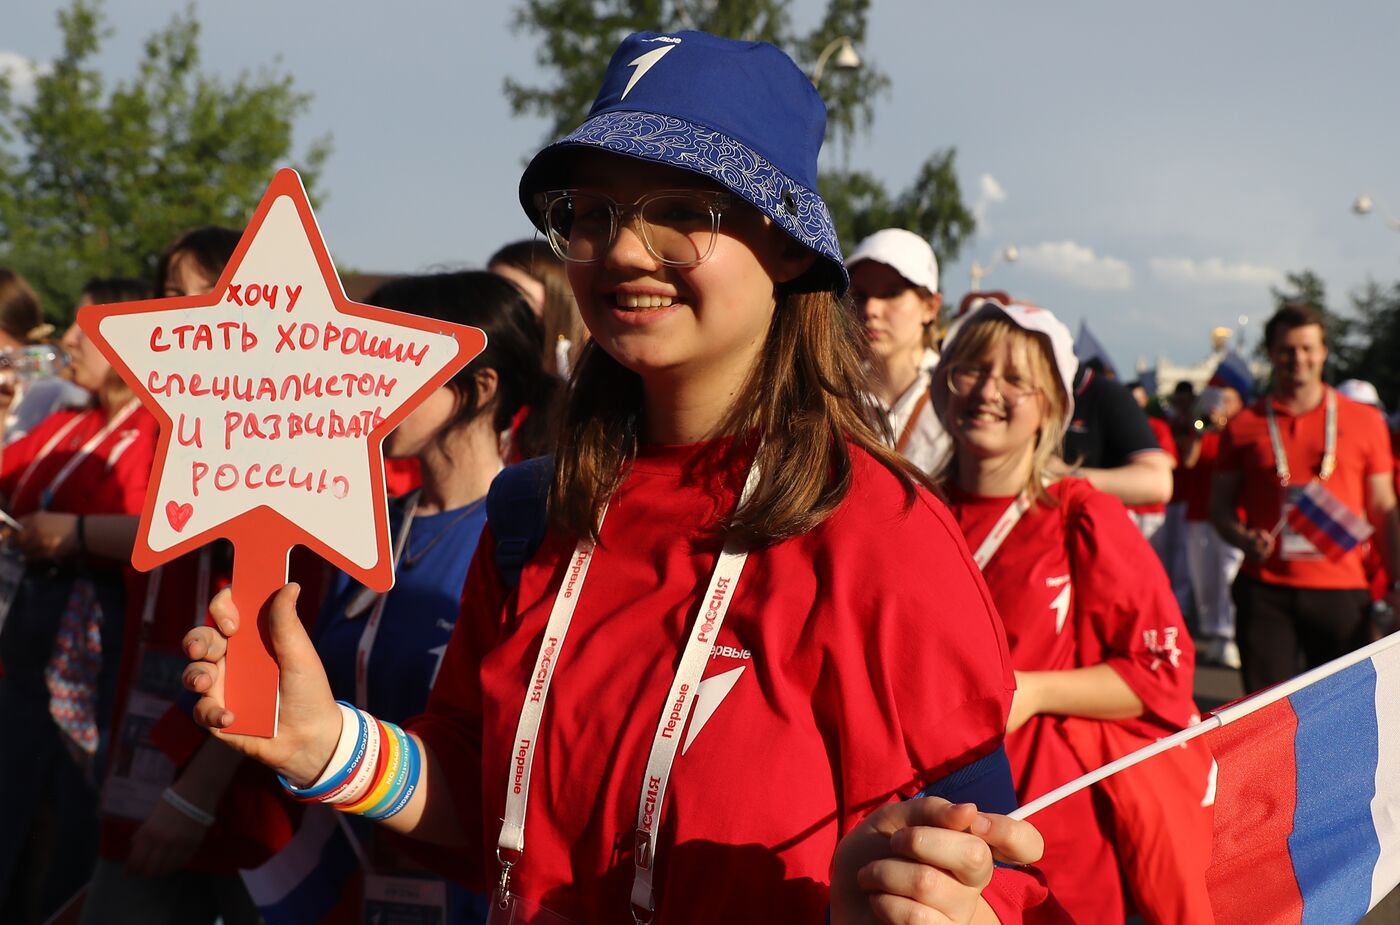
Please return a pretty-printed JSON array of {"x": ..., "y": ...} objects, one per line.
[
  {"x": 139, "y": 771},
  {"x": 509, "y": 909},
  {"x": 404, "y": 900}
]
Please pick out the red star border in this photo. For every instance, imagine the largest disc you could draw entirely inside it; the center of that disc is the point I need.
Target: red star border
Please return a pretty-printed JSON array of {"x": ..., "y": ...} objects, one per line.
[{"x": 274, "y": 394}]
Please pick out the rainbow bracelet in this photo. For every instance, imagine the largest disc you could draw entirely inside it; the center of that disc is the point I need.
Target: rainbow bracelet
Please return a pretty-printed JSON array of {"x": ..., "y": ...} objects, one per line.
[
  {"x": 406, "y": 789},
  {"x": 384, "y": 780}
]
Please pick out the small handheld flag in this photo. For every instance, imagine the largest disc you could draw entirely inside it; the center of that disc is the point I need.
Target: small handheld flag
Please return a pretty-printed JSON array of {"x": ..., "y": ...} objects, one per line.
[{"x": 1332, "y": 527}]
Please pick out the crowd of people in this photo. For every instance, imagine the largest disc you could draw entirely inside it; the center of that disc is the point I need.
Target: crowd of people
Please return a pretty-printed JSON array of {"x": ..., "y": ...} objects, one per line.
[{"x": 765, "y": 582}]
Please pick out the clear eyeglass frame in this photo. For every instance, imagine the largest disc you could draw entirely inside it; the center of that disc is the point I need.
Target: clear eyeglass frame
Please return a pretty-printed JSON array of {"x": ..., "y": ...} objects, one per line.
[
  {"x": 713, "y": 202},
  {"x": 964, "y": 378}
]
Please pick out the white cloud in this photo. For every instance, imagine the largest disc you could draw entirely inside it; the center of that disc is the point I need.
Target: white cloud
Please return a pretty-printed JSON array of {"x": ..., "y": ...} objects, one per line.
[
  {"x": 1212, "y": 272},
  {"x": 989, "y": 192},
  {"x": 1076, "y": 264},
  {"x": 22, "y": 73}
]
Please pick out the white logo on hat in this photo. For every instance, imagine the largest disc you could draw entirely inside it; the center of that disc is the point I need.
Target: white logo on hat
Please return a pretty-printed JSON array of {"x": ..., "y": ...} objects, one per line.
[{"x": 643, "y": 64}]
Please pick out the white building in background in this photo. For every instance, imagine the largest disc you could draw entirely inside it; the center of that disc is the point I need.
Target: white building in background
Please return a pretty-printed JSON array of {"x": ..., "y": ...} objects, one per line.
[{"x": 1167, "y": 374}]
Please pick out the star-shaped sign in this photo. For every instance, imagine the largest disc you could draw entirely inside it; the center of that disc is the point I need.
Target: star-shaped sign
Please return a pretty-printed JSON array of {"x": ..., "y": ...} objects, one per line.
[{"x": 274, "y": 394}]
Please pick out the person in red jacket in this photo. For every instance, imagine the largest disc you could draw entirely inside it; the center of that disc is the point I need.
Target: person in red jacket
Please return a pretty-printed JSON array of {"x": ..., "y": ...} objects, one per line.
[
  {"x": 716, "y": 702},
  {"x": 1102, "y": 658}
]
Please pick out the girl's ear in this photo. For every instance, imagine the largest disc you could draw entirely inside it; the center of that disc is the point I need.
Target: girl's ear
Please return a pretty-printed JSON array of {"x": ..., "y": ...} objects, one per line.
[
  {"x": 486, "y": 382},
  {"x": 932, "y": 303},
  {"x": 793, "y": 259}
]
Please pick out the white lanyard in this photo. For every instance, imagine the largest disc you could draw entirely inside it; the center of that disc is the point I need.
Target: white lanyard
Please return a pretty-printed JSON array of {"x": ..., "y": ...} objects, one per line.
[
  {"x": 510, "y": 847},
  {"x": 1001, "y": 529},
  {"x": 1329, "y": 447},
  {"x": 83, "y": 453},
  {"x": 362, "y": 651},
  {"x": 201, "y": 591}
]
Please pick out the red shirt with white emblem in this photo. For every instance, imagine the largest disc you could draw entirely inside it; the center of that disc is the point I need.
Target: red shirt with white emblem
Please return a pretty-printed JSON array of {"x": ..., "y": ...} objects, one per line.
[
  {"x": 1077, "y": 585},
  {"x": 858, "y": 663}
]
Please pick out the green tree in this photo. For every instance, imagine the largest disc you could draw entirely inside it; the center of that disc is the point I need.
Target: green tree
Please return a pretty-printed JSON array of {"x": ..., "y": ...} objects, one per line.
[
  {"x": 1375, "y": 342},
  {"x": 576, "y": 38},
  {"x": 96, "y": 181}
]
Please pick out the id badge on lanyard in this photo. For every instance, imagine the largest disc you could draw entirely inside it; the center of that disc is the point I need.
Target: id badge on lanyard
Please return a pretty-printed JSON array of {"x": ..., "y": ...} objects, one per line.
[
  {"x": 513, "y": 909},
  {"x": 404, "y": 900},
  {"x": 139, "y": 771}
]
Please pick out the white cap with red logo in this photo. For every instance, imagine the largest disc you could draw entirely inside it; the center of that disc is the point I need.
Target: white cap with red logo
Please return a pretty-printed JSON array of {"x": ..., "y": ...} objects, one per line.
[
  {"x": 902, "y": 251},
  {"x": 1027, "y": 317}
]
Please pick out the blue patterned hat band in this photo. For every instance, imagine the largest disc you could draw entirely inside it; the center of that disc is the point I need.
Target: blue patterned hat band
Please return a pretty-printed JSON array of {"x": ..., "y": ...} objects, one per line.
[{"x": 740, "y": 113}]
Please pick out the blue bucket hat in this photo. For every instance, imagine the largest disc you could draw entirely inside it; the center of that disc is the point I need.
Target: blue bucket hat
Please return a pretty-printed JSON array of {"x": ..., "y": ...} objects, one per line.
[{"x": 741, "y": 113}]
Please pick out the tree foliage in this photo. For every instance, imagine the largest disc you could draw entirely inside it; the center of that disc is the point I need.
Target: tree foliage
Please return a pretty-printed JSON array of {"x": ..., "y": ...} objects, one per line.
[
  {"x": 577, "y": 37},
  {"x": 96, "y": 181}
]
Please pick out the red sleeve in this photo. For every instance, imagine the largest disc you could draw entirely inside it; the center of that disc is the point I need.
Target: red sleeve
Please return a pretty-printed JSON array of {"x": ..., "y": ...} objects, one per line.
[
  {"x": 450, "y": 727},
  {"x": 1228, "y": 458},
  {"x": 1019, "y": 896},
  {"x": 1379, "y": 460},
  {"x": 1165, "y": 440},
  {"x": 1128, "y": 617},
  {"x": 16, "y": 457}
]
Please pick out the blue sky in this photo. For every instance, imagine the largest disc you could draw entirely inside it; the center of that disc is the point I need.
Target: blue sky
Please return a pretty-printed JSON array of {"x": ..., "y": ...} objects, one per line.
[{"x": 1157, "y": 166}]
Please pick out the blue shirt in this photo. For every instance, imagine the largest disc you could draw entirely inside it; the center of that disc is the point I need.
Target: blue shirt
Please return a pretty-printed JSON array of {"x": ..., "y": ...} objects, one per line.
[{"x": 418, "y": 615}]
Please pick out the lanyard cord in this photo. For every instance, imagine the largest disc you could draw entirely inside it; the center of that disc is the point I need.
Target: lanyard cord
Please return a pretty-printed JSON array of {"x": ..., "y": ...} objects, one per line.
[
  {"x": 1002, "y": 529},
  {"x": 48, "y": 494},
  {"x": 510, "y": 846},
  {"x": 1329, "y": 448},
  {"x": 366, "y": 643}
]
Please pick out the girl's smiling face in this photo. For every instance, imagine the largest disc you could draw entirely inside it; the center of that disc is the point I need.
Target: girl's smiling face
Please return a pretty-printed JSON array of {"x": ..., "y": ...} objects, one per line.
[
  {"x": 709, "y": 320},
  {"x": 996, "y": 405}
]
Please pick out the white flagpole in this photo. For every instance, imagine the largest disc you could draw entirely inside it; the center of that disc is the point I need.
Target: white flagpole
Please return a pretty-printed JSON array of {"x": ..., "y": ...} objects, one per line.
[{"x": 1222, "y": 717}]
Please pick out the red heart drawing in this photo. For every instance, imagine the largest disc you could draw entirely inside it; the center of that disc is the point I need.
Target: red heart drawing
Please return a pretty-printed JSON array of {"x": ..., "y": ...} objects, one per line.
[{"x": 178, "y": 514}]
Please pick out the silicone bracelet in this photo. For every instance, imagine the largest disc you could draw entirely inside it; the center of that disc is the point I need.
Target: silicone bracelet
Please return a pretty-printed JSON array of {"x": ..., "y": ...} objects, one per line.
[
  {"x": 358, "y": 784},
  {"x": 187, "y": 809},
  {"x": 387, "y": 772},
  {"x": 349, "y": 752},
  {"x": 400, "y": 779},
  {"x": 415, "y": 757}
]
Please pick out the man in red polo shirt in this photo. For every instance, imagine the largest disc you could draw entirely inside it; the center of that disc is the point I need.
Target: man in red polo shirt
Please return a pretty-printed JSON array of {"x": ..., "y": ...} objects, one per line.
[{"x": 1289, "y": 597}]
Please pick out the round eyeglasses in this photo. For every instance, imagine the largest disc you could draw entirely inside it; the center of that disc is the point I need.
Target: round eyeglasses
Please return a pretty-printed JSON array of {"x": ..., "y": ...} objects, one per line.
[
  {"x": 678, "y": 227},
  {"x": 966, "y": 378}
]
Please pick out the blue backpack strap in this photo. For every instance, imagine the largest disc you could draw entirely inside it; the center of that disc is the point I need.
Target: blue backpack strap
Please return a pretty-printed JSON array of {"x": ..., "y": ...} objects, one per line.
[
  {"x": 986, "y": 782},
  {"x": 517, "y": 512}
]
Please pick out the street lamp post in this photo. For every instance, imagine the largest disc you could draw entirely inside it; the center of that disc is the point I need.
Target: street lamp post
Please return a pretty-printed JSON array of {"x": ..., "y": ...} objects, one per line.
[
  {"x": 846, "y": 57},
  {"x": 1007, "y": 254}
]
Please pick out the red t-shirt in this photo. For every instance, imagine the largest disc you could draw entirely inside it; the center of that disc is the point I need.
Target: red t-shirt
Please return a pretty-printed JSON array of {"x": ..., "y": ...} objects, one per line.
[
  {"x": 110, "y": 480},
  {"x": 860, "y": 662},
  {"x": 1163, "y": 432},
  {"x": 1195, "y": 481},
  {"x": 1077, "y": 585},
  {"x": 1363, "y": 450}
]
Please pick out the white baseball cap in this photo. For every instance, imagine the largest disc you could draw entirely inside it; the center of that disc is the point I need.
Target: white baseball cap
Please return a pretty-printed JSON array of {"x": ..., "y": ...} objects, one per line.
[
  {"x": 1027, "y": 317},
  {"x": 902, "y": 251},
  {"x": 1360, "y": 390}
]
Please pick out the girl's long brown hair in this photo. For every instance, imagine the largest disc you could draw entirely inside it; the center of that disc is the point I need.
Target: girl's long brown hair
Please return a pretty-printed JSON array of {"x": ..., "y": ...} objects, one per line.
[{"x": 807, "y": 397}]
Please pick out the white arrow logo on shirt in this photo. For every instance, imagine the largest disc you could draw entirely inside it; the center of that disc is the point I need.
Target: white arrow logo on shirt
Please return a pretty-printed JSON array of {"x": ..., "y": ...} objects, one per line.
[
  {"x": 712, "y": 691},
  {"x": 644, "y": 63}
]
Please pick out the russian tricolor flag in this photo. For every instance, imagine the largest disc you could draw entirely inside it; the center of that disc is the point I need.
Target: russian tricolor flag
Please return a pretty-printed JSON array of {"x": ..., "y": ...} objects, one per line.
[
  {"x": 1233, "y": 371},
  {"x": 1332, "y": 527},
  {"x": 1307, "y": 799},
  {"x": 1307, "y": 811}
]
